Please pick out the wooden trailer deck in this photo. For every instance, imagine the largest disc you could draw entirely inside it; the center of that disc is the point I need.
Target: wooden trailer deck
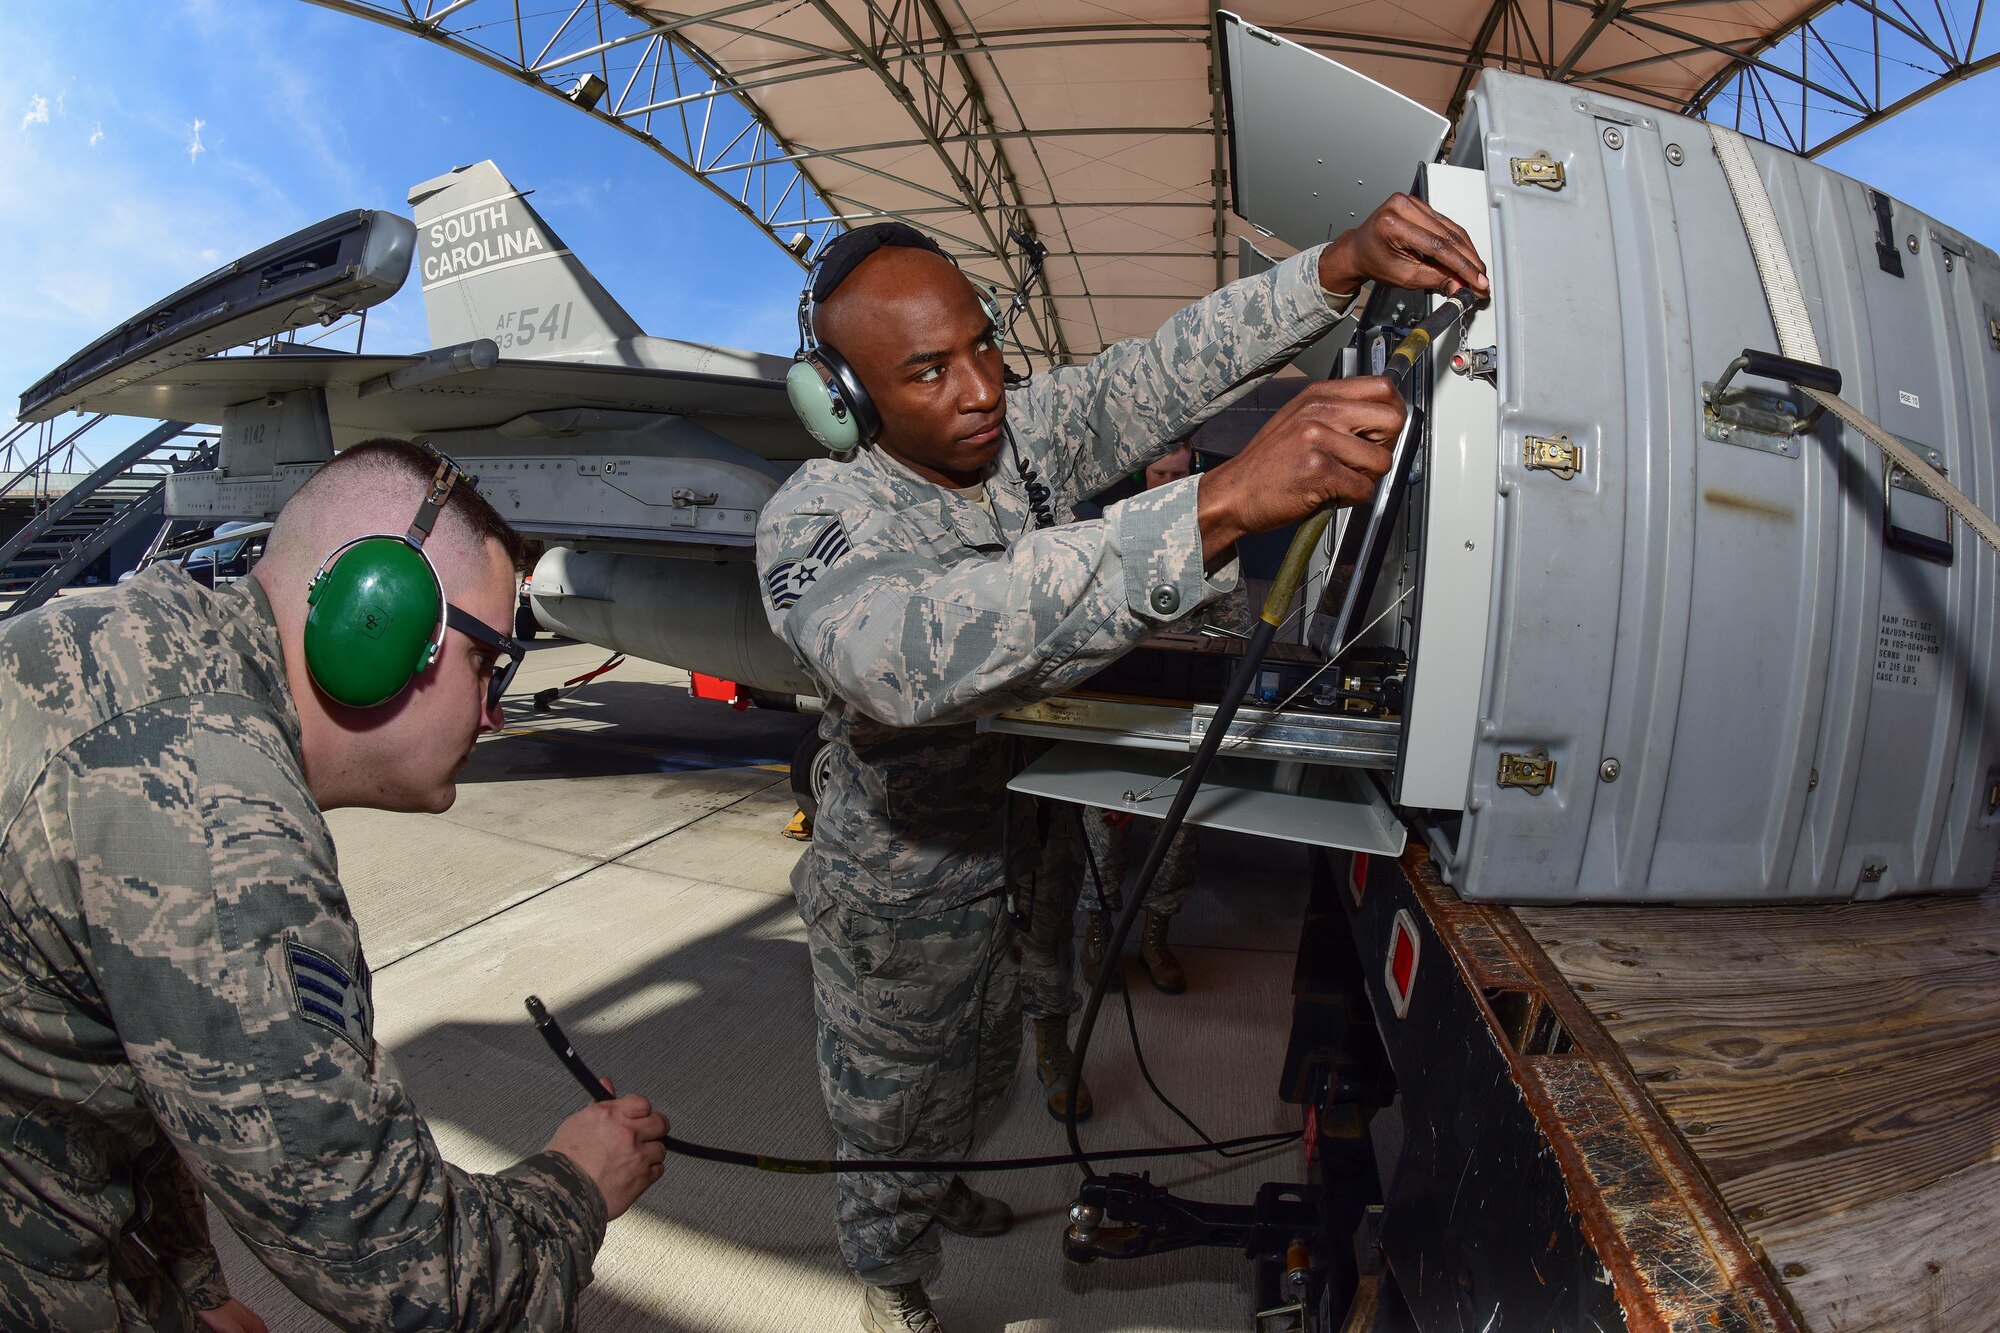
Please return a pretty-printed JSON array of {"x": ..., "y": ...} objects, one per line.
[
  {"x": 1836, "y": 1072},
  {"x": 1758, "y": 1118}
]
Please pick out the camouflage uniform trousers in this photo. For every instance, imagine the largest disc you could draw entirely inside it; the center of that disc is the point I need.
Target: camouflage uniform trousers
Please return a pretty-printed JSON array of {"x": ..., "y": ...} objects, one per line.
[
  {"x": 1048, "y": 949},
  {"x": 919, "y": 1033},
  {"x": 1064, "y": 880}
]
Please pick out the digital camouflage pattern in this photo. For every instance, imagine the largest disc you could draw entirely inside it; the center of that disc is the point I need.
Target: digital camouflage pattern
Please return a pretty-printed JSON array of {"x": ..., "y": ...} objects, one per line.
[
  {"x": 184, "y": 1008},
  {"x": 1062, "y": 873},
  {"x": 919, "y": 611},
  {"x": 1050, "y": 986},
  {"x": 1117, "y": 845},
  {"x": 936, "y": 613},
  {"x": 1047, "y": 882},
  {"x": 919, "y": 1033}
]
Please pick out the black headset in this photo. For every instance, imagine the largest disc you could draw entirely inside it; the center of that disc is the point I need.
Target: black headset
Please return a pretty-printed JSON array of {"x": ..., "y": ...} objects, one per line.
[{"x": 828, "y": 396}]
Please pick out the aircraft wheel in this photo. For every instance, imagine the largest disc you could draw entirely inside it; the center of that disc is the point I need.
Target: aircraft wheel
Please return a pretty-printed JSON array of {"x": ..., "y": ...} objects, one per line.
[{"x": 811, "y": 762}]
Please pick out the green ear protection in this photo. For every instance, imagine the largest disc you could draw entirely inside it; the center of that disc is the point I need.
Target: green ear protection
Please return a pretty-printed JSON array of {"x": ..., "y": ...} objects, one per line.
[
  {"x": 828, "y": 396},
  {"x": 376, "y": 611}
]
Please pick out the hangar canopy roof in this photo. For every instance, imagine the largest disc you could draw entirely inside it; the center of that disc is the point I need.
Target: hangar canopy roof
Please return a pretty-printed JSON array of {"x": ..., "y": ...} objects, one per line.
[{"x": 1097, "y": 126}]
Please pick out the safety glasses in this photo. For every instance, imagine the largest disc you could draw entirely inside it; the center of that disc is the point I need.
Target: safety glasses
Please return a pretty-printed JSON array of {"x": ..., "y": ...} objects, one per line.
[{"x": 507, "y": 652}]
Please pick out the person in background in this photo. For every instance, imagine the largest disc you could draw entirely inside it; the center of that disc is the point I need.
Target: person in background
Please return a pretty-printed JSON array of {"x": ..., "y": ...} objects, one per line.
[{"x": 1082, "y": 848}]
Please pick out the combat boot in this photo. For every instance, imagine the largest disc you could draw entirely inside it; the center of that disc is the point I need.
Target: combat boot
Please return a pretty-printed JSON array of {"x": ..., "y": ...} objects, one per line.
[
  {"x": 1095, "y": 939},
  {"x": 970, "y": 1213},
  {"x": 903, "y": 1308},
  {"x": 1052, "y": 1056},
  {"x": 1161, "y": 965}
]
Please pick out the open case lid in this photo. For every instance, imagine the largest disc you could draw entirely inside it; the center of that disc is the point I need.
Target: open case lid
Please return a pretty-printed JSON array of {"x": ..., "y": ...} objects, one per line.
[{"x": 1314, "y": 147}]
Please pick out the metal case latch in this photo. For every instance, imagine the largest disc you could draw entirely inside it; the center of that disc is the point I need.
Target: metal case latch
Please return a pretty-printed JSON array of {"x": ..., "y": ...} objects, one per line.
[
  {"x": 1533, "y": 772},
  {"x": 1541, "y": 169},
  {"x": 1560, "y": 455}
]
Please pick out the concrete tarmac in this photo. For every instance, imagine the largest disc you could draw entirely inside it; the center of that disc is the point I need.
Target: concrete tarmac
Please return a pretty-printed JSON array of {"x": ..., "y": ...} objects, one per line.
[{"x": 622, "y": 857}]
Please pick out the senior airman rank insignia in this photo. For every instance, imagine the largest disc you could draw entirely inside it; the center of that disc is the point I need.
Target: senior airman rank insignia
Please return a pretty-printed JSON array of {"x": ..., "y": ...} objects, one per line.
[
  {"x": 326, "y": 993},
  {"x": 788, "y": 581}
]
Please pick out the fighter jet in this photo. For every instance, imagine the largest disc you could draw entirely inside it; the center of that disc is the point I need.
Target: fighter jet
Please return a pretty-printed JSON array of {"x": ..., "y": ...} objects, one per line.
[{"x": 639, "y": 463}]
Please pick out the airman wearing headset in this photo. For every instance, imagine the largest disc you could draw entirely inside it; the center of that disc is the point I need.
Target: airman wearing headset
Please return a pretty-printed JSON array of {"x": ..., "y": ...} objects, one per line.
[
  {"x": 924, "y": 578},
  {"x": 187, "y": 1011}
]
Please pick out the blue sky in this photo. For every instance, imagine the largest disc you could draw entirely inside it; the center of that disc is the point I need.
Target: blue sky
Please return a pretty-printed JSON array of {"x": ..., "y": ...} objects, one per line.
[{"x": 142, "y": 144}]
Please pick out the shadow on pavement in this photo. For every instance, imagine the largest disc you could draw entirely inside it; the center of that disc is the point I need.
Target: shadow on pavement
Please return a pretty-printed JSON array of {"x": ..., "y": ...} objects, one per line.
[{"x": 622, "y": 727}]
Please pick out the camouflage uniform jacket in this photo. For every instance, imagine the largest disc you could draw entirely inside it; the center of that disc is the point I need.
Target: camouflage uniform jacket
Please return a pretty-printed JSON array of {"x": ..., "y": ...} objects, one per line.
[
  {"x": 918, "y": 612},
  {"x": 184, "y": 1007}
]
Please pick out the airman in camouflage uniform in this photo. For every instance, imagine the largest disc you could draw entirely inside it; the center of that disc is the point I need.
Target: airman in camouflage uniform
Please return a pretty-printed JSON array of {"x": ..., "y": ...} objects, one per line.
[
  {"x": 185, "y": 1009},
  {"x": 913, "y": 582}
]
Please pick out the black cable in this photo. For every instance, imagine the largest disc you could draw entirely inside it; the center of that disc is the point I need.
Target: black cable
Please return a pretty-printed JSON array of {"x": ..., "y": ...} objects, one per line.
[
  {"x": 1107, "y": 898},
  {"x": 1131, "y": 1016},
  {"x": 552, "y": 1033},
  {"x": 1132, "y": 1027},
  {"x": 1038, "y": 494},
  {"x": 820, "y": 1166},
  {"x": 1036, "y": 252},
  {"x": 1136, "y": 884},
  {"x": 1455, "y": 307}
]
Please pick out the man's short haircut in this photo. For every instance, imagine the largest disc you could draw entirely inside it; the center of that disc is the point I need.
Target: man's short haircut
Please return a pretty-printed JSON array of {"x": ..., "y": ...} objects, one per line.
[
  {"x": 844, "y": 253},
  {"x": 390, "y": 456}
]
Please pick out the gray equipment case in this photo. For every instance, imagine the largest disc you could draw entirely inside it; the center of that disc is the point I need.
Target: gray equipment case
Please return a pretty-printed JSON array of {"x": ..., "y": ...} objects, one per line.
[
  {"x": 1659, "y": 649},
  {"x": 1762, "y": 667}
]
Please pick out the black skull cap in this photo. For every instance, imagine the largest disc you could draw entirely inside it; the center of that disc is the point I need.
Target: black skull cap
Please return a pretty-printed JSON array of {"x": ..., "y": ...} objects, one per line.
[{"x": 844, "y": 253}]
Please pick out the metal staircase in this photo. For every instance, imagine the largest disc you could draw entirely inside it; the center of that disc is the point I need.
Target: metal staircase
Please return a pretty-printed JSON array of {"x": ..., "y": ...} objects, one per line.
[{"x": 71, "y": 529}]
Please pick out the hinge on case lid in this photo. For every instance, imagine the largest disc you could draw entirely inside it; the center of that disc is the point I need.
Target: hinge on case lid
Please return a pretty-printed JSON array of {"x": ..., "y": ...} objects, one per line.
[
  {"x": 1559, "y": 454},
  {"x": 1532, "y": 772},
  {"x": 1541, "y": 169}
]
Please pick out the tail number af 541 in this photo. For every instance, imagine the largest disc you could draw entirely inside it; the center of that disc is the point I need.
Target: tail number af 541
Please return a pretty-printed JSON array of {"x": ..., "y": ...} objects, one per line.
[{"x": 518, "y": 328}]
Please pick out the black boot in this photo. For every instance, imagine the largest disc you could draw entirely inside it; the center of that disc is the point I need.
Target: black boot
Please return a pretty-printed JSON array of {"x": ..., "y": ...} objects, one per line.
[
  {"x": 1095, "y": 940},
  {"x": 1161, "y": 965},
  {"x": 1052, "y": 1056},
  {"x": 970, "y": 1213}
]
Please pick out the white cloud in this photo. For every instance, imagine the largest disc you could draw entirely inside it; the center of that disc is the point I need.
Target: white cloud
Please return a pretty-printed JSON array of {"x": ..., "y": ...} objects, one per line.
[
  {"x": 37, "y": 112},
  {"x": 194, "y": 148},
  {"x": 264, "y": 51},
  {"x": 97, "y": 134}
]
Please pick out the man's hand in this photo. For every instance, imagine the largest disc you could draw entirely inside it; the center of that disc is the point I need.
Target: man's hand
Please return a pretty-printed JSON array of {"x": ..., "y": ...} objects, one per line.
[
  {"x": 616, "y": 1144},
  {"x": 1404, "y": 243},
  {"x": 235, "y": 1317},
  {"x": 1326, "y": 446}
]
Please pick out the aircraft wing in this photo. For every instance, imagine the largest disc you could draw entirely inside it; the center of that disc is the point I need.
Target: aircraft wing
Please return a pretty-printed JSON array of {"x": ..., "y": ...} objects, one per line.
[{"x": 749, "y": 412}]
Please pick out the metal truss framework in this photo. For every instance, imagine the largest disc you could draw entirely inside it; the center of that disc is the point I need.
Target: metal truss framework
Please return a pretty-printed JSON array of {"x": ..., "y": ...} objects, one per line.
[
  {"x": 637, "y": 73},
  {"x": 1848, "y": 65}
]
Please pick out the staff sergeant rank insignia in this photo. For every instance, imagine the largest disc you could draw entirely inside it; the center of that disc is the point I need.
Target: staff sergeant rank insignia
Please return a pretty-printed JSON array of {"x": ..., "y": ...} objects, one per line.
[
  {"x": 787, "y": 582},
  {"x": 325, "y": 993}
]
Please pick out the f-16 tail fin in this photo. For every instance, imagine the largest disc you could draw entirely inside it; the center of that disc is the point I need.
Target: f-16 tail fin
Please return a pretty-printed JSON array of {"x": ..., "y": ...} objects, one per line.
[{"x": 492, "y": 268}]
